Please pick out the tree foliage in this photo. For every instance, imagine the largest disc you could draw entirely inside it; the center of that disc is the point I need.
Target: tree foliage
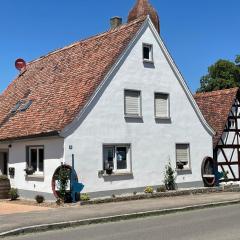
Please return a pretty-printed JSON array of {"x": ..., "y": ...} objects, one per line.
[
  {"x": 223, "y": 74},
  {"x": 169, "y": 177}
]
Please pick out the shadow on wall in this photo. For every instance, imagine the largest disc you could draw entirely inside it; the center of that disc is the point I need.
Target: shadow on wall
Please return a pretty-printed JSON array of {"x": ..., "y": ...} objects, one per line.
[
  {"x": 134, "y": 120},
  {"x": 149, "y": 65},
  {"x": 163, "y": 121}
]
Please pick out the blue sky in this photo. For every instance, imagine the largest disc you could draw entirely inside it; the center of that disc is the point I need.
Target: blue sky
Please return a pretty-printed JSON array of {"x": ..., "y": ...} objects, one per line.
[{"x": 197, "y": 32}]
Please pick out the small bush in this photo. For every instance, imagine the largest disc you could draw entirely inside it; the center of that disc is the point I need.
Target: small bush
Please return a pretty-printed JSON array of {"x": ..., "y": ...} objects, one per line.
[
  {"x": 84, "y": 197},
  {"x": 3, "y": 177},
  {"x": 13, "y": 194},
  {"x": 134, "y": 193},
  {"x": 161, "y": 189},
  {"x": 113, "y": 196},
  {"x": 39, "y": 199},
  {"x": 169, "y": 177},
  {"x": 59, "y": 202},
  {"x": 149, "y": 190}
]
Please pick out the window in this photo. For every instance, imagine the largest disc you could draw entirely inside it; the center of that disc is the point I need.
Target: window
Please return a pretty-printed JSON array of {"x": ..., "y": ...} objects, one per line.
[
  {"x": 132, "y": 103},
  {"x": 36, "y": 158},
  {"x": 16, "y": 107},
  {"x": 162, "y": 105},
  {"x": 231, "y": 123},
  {"x": 26, "y": 106},
  {"x": 183, "y": 156},
  {"x": 116, "y": 158},
  {"x": 147, "y": 52}
]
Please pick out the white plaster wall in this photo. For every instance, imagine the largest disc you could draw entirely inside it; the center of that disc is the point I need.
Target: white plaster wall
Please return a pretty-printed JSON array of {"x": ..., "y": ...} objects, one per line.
[
  {"x": 153, "y": 144},
  {"x": 53, "y": 151}
]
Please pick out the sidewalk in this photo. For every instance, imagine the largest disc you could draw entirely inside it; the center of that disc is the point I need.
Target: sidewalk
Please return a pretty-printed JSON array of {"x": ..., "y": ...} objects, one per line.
[{"x": 20, "y": 220}]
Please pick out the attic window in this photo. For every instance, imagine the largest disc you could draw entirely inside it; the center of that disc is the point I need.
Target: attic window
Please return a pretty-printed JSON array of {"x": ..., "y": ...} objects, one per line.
[
  {"x": 147, "y": 53},
  {"x": 16, "y": 107},
  {"x": 26, "y": 106}
]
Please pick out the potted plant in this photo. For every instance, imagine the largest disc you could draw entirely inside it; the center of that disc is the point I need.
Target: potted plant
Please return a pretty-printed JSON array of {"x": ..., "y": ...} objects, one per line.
[
  {"x": 29, "y": 170},
  {"x": 108, "y": 168},
  {"x": 180, "y": 165}
]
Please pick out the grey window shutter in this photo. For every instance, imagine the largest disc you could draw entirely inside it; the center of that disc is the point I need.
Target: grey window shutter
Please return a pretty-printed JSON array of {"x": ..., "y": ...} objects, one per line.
[
  {"x": 161, "y": 105},
  {"x": 182, "y": 151},
  {"x": 132, "y": 103}
]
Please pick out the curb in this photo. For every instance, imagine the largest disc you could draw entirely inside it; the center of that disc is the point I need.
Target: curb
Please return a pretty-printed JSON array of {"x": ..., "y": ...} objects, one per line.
[
  {"x": 114, "y": 218},
  {"x": 167, "y": 194}
]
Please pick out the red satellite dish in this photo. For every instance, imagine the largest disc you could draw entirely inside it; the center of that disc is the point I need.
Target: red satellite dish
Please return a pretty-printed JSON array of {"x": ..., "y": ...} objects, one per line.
[{"x": 20, "y": 64}]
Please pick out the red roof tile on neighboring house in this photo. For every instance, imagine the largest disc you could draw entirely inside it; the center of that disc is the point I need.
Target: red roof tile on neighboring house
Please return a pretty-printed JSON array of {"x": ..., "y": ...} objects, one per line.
[
  {"x": 61, "y": 83},
  {"x": 215, "y": 107}
]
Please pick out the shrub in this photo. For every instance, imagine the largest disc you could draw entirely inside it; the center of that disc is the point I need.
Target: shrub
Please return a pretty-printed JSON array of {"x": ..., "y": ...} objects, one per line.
[
  {"x": 134, "y": 193},
  {"x": 161, "y": 189},
  {"x": 3, "y": 177},
  {"x": 84, "y": 197},
  {"x": 13, "y": 194},
  {"x": 149, "y": 190},
  {"x": 39, "y": 199},
  {"x": 169, "y": 177},
  {"x": 113, "y": 196},
  {"x": 59, "y": 202},
  {"x": 63, "y": 179}
]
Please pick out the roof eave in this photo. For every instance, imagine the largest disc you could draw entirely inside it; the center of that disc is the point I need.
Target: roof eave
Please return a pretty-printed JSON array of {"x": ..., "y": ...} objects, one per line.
[{"x": 33, "y": 136}]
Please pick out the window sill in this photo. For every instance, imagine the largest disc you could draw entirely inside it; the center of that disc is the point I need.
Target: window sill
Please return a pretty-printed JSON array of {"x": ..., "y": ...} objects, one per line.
[
  {"x": 35, "y": 176},
  {"x": 184, "y": 171},
  {"x": 148, "y": 61},
  {"x": 118, "y": 174},
  {"x": 163, "y": 118},
  {"x": 133, "y": 116}
]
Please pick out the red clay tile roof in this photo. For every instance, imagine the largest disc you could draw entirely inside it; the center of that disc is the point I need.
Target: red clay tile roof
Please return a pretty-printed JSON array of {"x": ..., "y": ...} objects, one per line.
[
  {"x": 61, "y": 83},
  {"x": 215, "y": 107}
]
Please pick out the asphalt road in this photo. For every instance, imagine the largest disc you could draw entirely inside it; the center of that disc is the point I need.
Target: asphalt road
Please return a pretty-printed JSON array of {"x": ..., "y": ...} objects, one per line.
[{"x": 221, "y": 223}]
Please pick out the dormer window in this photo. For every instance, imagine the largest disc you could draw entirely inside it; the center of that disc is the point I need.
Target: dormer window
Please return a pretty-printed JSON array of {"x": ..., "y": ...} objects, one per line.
[{"x": 147, "y": 53}]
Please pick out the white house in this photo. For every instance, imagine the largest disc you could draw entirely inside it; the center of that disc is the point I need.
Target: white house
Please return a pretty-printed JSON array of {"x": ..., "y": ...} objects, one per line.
[{"x": 116, "y": 100}]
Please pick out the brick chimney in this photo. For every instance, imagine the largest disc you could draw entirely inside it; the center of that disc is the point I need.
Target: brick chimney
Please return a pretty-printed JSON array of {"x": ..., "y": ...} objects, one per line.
[{"x": 115, "y": 22}]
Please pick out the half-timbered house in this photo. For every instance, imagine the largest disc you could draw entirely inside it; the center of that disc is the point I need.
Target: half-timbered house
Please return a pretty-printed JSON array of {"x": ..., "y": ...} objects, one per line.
[{"x": 222, "y": 111}]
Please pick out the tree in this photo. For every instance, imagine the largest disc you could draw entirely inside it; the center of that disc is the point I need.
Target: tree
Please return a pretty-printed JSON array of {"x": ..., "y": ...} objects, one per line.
[{"x": 221, "y": 75}]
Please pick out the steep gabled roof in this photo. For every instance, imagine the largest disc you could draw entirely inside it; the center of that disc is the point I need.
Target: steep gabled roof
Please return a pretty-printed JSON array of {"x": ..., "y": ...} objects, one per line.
[
  {"x": 61, "y": 83},
  {"x": 216, "y": 107}
]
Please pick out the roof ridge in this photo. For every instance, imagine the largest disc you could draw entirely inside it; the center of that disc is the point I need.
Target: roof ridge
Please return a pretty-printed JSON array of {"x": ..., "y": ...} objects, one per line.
[{"x": 88, "y": 39}]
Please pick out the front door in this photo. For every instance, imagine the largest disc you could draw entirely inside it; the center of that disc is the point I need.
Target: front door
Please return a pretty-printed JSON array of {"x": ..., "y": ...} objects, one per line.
[{"x": 3, "y": 163}]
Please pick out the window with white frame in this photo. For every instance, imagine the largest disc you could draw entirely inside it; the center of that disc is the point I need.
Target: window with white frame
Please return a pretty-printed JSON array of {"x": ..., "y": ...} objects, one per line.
[
  {"x": 132, "y": 102},
  {"x": 116, "y": 158},
  {"x": 35, "y": 158},
  {"x": 162, "y": 105},
  {"x": 183, "y": 156},
  {"x": 147, "y": 52}
]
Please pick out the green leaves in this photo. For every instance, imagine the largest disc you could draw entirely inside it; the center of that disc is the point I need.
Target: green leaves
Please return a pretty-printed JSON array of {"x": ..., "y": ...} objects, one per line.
[
  {"x": 169, "y": 177},
  {"x": 223, "y": 74}
]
